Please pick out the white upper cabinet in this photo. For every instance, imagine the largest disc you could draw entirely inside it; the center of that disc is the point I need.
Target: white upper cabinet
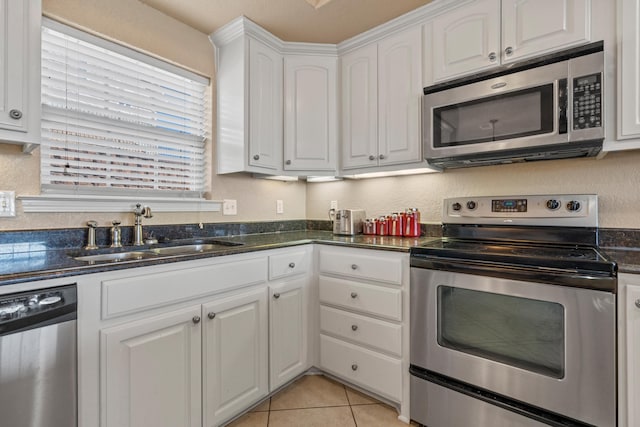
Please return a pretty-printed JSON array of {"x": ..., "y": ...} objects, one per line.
[
  {"x": 400, "y": 92},
  {"x": 249, "y": 97},
  {"x": 360, "y": 107},
  {"x": 465, "y": 40},
  {"x": 628, "y": 72},
  {"x": 535, "y": 27},
  {"x": 486, "y": 33},
  {"x": 311, "y": 113},
  {"x": 381, "y": 92},
  {"x": 265, "y": 106},
  {"x": 20, "y": 72}
]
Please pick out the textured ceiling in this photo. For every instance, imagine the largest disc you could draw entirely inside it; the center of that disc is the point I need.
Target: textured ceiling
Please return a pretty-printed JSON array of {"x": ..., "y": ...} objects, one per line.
[{"x": 318, "y": 21}]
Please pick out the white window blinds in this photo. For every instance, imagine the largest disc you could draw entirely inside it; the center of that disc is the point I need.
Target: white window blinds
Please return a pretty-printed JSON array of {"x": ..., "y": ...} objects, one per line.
[{"x": 115, "y": 121}]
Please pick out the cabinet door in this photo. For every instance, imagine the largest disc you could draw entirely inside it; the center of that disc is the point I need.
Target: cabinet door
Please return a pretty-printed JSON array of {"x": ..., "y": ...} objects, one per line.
[
  {"x": 235, "y": 355},
  {"x": 310, "y": 134},
  {"x": 400, "y": 92},
  {"x": 629, "y": 69},
  {"x": 360, "y": 108},
  {"x": 287, "y": 331},
  {"x": 20, "y": 70},
  {"x": 265, "y": 106},
  {"x": 151, "y": 372},
  {"x": 466, "y": 40},
  {"x": 632, "y": 374},
  {"x": 535, "y": 27}
]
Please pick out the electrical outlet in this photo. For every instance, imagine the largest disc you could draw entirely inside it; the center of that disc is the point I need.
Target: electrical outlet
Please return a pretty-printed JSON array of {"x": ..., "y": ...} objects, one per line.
[
  {"x": 7, "y": 203},
  {"x": 229, "y": 207},
  {"x": 334, "y": 205},
  {"x": 279, "y": 206}
]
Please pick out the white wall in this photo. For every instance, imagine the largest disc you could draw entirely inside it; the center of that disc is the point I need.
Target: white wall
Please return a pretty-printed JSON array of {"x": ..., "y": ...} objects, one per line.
[{"x": 615, "y": 179}]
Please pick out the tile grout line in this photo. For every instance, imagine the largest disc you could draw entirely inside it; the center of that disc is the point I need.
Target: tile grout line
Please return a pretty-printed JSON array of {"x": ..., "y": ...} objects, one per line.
[{"x": 353, "y": 416}]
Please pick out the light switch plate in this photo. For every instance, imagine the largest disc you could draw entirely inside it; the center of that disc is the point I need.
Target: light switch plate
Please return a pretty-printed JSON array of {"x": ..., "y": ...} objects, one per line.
[
  {"x": 229, "y": 207},
  {"x": 279, "y": 206},
  {"x": 7, "y": 203}
]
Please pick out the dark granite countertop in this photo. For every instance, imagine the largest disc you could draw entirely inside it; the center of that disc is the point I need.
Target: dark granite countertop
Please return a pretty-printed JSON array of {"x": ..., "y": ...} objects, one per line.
[
  {"x": 628, "y": 259},
  {"x": 25, "y": 262}
]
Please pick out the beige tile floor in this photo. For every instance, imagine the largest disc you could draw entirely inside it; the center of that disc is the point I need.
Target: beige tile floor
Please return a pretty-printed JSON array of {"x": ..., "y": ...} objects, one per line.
[{"x": 317, "y": 401}]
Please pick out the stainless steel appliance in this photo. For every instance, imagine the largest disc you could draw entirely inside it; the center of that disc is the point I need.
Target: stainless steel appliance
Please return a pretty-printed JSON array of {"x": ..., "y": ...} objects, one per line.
[
  {"x": 546, "y": 108},
  {"x": 38, "y": 358},
  {"x": 513, "y": 316},
  {"x": 348, "y": 221}
]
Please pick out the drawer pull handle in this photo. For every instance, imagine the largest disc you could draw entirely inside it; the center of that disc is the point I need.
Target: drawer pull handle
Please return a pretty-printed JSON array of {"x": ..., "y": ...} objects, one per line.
[
  {"x": 354, "y": 327},
  {"x": 638, "y": 303},
  {"x": 196, "y": 319},
  {"x": 354, "y": 295},
  {"x": 292, "y": 265},
  {"x": 276, "y": 296},
  {"x": 256, "y": 157},
  {"x": 15, "y": 114},
  {"x": 354, "y": 266},
  {"x": 354, "y": 367},
  {"x": 211, "y": 315}
]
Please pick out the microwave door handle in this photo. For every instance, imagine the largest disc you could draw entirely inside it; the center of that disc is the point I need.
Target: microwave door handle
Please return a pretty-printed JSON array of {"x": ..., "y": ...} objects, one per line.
[{"x": 563, "y": 106}]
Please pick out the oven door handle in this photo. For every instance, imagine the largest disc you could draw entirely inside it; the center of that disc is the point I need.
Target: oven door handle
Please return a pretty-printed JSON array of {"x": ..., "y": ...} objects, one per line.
[{"x": 545, "y": 275}]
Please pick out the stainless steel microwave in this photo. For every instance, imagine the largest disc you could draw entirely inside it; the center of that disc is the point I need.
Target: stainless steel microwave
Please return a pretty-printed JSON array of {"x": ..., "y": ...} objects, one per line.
[{"x": 547, "y": 108}]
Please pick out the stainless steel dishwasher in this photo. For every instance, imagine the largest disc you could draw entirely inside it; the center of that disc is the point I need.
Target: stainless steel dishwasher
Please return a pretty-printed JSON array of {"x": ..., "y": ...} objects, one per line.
[{"x": 38, "y": 386}]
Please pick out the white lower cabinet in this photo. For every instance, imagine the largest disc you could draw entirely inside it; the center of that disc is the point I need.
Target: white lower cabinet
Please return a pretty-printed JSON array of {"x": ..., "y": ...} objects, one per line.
[
  {"x": 287, "y": 331},
  {"x": 151, "y": 373},
  {"x": 628, "y": 350},
  {"x": 364, "y": 320},
  {"x": 234, "y": 357}
]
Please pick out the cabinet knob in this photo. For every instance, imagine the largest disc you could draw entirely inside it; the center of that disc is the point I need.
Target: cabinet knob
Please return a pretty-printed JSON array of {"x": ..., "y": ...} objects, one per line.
[
  {"x": 638, "y": 303},
  {"x": 508, "y": 51},
  {"x": 256, "y": 157},
  {"x": 354, "y": 295},
  {"x": 15, "y": 114},
  {"x": 276, "y": 295},
  {"x": 354, "y": 266},
  {"x": 196, "y": 319},
  {"x": 288, "y": 162},
  {"x": 292, "y": 265},
  {"x": 211, "y": 315},
  {"x": 354, "y": 327},
  {"x": 372, "y": 157},
  {"x": 354, "y": 367},
  {"x": 493, "y": 57},
  {"x": 382, "y": 157}
]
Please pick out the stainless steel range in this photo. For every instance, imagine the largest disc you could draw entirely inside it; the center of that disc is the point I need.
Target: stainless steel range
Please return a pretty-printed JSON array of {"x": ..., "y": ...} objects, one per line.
[{"x": 513, "y": 316}]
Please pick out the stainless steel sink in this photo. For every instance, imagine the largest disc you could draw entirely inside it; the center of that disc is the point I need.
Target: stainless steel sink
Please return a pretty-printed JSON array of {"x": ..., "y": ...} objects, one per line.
[
  {"x": 188, "y": 249},
  {"x": 195, "y": 246},
  {"x": 116, "y": 257}
]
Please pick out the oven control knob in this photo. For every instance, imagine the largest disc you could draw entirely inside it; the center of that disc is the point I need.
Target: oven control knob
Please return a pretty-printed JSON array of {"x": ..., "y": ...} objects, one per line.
[
  {"x": 456, "y": 206},
  {"x": 471, "y": 205},
  {"x": 553, "y": 204},
  {"x": 573, "y": 206}
]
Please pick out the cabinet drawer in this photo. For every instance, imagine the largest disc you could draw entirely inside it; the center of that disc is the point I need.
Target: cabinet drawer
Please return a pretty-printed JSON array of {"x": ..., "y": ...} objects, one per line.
[
  {"x": 373, "y": 371},
  {"x": 372, "y": 266},
  {"x": 288, "y": 264},
  {"x": 370, "y": 299},
  {"x": 380, "y": 335},
  {"x": 151, "y": 290}
]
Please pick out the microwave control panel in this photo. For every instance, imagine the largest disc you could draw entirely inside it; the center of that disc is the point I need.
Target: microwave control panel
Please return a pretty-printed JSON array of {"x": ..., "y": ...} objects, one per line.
[{"x": 587, "y": 101}]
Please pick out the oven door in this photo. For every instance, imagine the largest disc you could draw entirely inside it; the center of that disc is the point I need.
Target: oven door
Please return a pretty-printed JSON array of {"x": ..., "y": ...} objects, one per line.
[{"x": 549, "y": 346}]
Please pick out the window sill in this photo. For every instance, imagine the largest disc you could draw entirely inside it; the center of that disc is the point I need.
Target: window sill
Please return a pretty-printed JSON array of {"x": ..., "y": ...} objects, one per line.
[{"x": 75, "y": 203}]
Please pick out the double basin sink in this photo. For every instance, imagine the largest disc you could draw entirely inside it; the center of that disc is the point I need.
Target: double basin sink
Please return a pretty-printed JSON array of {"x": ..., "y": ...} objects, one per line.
[{"x": 182, "y": 248}]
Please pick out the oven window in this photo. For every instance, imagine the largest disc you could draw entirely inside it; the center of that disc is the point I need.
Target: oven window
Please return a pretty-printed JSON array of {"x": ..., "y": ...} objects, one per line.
[
  {"x": 520, "y": 332},
  {"x": 512, "y": 115}
]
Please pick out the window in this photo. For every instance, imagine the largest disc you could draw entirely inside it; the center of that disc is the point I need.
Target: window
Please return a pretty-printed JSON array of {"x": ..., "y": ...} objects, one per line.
[{"x": 117, "y": 122}]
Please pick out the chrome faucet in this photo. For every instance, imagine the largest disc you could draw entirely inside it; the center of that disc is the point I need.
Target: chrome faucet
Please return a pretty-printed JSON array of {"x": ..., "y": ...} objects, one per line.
[
  {"x": 91, "y": 237},
  {"x": 139, "y": 212}
]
